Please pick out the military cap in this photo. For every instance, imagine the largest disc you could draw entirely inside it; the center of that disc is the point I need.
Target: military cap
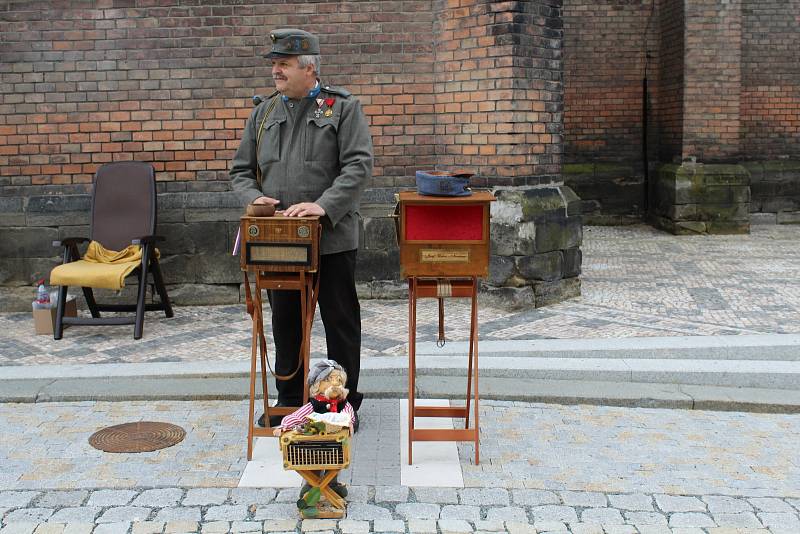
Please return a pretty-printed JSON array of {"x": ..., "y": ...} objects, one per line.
[
  {"x": 322, "y": 369},
  {"x": 292, "y": 42}
]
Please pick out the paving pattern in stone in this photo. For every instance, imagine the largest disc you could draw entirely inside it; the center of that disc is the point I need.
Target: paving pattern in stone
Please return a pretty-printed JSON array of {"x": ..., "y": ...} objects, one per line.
[
  {"x": 636, "y": 282},
  {"x": 544, "y": 468}
]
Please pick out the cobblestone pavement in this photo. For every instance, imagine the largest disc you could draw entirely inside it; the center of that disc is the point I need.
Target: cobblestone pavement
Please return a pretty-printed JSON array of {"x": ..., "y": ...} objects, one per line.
[
  {"x": 636, "y": 282},
  {"x": 578, "y": 469}
]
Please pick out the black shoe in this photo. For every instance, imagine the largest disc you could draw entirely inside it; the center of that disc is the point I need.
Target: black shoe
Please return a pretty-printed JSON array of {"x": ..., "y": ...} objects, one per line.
[
  {"x": 274, "y": 420},
  {"x": 355, "y": 422}
]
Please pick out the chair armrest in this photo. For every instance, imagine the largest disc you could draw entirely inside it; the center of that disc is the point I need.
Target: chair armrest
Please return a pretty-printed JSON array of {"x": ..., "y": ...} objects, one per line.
[
  {"x": 70, "y": 241},
  {"x": 147, "y": 240}
]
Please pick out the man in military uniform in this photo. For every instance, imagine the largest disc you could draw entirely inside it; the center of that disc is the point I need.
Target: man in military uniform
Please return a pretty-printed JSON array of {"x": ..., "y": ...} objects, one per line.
[{"x": 307, "y": 150}]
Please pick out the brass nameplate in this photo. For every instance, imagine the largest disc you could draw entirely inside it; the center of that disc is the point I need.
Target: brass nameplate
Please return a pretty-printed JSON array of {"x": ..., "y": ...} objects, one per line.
[{"x": 438, "y": 255}]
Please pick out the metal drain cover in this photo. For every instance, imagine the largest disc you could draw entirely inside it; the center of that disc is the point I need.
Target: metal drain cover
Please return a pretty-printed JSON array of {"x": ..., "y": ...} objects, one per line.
[{"x": 143, "y": 436}]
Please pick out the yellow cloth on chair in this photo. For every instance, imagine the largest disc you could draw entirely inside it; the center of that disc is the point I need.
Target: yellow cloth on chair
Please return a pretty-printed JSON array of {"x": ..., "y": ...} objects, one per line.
[{"x": 99, "y": 267}]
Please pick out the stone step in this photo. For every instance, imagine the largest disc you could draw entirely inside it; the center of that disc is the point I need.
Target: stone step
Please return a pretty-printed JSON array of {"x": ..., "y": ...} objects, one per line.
[{"x": 775, "y": 347}]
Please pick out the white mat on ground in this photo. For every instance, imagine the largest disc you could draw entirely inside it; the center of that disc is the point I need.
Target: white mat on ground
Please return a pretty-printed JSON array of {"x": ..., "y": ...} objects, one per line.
[
  {"x": 266, "y": 470},
  {"x": 436, "y": 463}
]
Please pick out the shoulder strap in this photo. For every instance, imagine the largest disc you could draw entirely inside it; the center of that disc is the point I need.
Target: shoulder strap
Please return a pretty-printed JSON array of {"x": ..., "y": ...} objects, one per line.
[
  {"x": 336, "y": 90},
  {"x": 270, "y": 107}
]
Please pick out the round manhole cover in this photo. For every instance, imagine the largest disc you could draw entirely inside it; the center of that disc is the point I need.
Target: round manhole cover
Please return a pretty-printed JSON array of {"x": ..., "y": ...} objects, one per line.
[{"x": 144, "y": 436}]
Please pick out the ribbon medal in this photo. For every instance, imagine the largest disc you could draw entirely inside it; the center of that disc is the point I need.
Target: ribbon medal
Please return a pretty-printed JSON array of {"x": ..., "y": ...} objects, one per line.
[
  {"x": 318, "y": 111},
  {"x": 329, "y": 102}
]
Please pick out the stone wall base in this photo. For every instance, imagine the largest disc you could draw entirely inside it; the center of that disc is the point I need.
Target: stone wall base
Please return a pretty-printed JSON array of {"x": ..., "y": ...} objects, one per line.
[{"x": 696, "y": 198}]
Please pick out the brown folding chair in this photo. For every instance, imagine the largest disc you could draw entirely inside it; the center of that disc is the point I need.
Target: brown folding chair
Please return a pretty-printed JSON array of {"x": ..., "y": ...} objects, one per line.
[{"x": 123, "y": 213}]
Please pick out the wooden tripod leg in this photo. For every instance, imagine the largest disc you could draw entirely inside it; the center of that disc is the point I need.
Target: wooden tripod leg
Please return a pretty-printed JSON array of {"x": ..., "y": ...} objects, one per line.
[
  {"x": 412, "y": 368},
  {"x": 253, "y": 351},
  {"x": 305, "y": 345},
  {"x": 474, "y": 343},
  {"x": 259, "y": 312},
  {"x": 472, "y": 334}
]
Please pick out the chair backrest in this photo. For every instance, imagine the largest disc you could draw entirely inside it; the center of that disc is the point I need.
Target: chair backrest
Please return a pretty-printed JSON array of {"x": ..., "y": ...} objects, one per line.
[{"x": 123, "y": 203}]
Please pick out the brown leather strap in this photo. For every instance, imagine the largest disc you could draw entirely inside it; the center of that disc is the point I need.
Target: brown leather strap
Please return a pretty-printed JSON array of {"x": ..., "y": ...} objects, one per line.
[
  {"x": 258, "y": 318},
  {"x": 441, "y": 340}
]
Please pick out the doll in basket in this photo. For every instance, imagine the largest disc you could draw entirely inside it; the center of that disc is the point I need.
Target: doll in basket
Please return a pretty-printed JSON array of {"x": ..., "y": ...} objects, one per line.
[{"x": 327, "y": 402}]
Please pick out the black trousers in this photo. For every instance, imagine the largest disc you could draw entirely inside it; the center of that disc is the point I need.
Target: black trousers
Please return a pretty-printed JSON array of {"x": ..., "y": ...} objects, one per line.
[{"x": 341, "y": 317}]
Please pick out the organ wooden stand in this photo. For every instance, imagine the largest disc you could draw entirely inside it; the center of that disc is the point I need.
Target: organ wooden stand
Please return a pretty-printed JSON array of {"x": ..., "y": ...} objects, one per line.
[
  {"x": 444, "y": 249},
  {"x": 280, "y": 253}
]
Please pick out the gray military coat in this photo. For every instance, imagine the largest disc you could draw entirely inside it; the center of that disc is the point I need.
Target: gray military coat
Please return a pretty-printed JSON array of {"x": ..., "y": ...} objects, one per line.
[{"x": 307, "y": 154}]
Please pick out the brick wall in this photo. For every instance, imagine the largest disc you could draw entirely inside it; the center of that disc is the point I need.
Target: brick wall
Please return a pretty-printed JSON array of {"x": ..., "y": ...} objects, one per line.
[
  {"x": 712, "y": 80},
  {"x": 669, "y": 111},
  {"x": 604, "y": 61},
  {"x": 770, "y": 99}
]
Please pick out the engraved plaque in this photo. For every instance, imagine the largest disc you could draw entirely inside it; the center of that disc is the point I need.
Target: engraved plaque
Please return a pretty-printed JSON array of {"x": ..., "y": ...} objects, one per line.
[{"x": 439, "y": 255}]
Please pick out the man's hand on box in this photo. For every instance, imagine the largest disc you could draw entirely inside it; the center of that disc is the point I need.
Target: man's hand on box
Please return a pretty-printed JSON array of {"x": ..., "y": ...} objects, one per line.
[{"x": 304, "y": 209}]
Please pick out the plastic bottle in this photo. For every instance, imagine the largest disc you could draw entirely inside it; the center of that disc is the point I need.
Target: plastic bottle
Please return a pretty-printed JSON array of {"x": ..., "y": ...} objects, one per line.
[{"x": 42, "y": 296}]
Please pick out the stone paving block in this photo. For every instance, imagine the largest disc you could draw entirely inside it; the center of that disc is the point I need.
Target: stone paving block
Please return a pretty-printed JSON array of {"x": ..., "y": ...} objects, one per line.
[
  {"x": 17, "y": 499},
  {"x": 688, "y": 530},
  {"x": 246, "y": 496},
  {"x": 604, "y": 516},
  {"x": 28, "y": 515},
  {"x": 49, "y": 528},
  {"x": 530, "y": 497},
  {"x": 57, "y": 499},
  {"x": 180, "y": 514},
  {"x": 436, "y": 495},
  {"x": 366, "y": 512},
  {"x": 765, "y": 504},
  {"x": 207, "y": 496},
  {"x": 388, "y": 525},
  {"x": 348, "y": 526},
  {"x": 391, "y": 494},
  {"x": 288, "y": 495},
  {"x": 564, "y": 514},
  {"x": 620, "y": 529},
  {"x": 124, "y": 514},
  {"x": 739, "y": 520},
  {"x": 237, "y": 512},
  {"x": 358, "y": 493},
  {"x": 313, "y": 525},
  {"x": 585, "y": 528},
  {"x": 645, "y": 518},
  {"x": 417, "y": 510},
  {"x": 489, "y": 526},
  {"x": 280, "y": 525},
  {"x": 83, "y": 514},
  {"x": 550, "y": 526},
  {"x": 113, "y": 528},
  {"x": 422, "y": 526},
  {"x": 636, "y": 502},
  {"x": 653, "y": 529},
  {"x": 149, "y": 527},
  {"x": 780, "y": 520},
  {"x": 795, "y": 503},
  {"x": 19, "y": 527},
  {"x": 726, "y": 505},
  {"x": 484, "y": 496},
  {"x": 110, "y": 497},
  {"x": 460, "y": 511},
  {"x": 506, "y": 513},
  {"x": 214, "y": 527},
  {"x": 177, "y": 526},
  {"x": 677, "y": 503},
  {"x": 79, "y": 528},
  {"x": 276, "y": 511},
  {"x": 515, "y": 527},
  {"x": 736, "y": 530},
  {"x": 454, "y": 525},
  {"x": 584, "y": 499},
  {"x": 159, "y": 498},
  {"x": 690, "y": 519}
]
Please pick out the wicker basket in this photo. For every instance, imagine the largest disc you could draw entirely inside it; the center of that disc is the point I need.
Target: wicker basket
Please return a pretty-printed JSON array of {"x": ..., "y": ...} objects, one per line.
[{"x": 317, "y": 452}]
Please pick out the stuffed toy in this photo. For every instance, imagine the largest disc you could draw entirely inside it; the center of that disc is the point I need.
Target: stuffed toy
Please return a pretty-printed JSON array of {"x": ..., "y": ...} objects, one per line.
[{"x": 327, "y": 403}]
